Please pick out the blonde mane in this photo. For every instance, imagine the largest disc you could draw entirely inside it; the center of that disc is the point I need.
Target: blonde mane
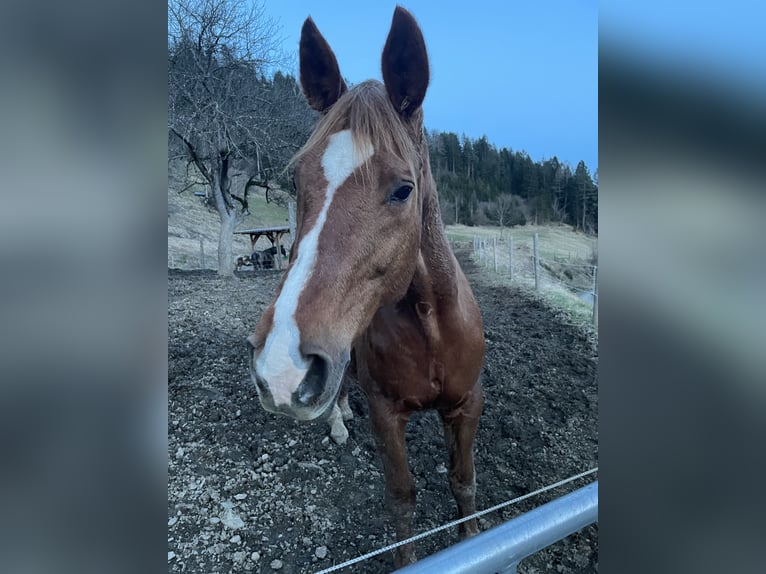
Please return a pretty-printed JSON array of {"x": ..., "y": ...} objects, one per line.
[{"x": 368, "y": 112}]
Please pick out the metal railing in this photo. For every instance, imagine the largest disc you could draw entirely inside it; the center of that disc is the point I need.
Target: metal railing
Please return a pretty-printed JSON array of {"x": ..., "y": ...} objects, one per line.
[{"x": 500, "y": 549}]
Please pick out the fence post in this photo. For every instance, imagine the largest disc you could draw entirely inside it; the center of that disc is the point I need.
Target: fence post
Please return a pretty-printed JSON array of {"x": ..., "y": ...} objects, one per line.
[
  {"x": 510, "y": 256},
  {"x": 201, "y": 253},
  {"x": 537, "y": 266},
  {"x": 494, "y": 251},
  {"x": 278, "y": 255},
  {"x": 291, "y": 219},
  {"x": 595, "y": 296}
]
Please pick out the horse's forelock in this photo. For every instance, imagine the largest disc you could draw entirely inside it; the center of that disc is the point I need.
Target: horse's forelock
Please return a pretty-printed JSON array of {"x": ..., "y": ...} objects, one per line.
[{"x": 367, "y": 111}]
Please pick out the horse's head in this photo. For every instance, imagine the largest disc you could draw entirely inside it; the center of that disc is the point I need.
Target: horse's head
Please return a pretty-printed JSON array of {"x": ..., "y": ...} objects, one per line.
[{"x": 360, "y": 181}]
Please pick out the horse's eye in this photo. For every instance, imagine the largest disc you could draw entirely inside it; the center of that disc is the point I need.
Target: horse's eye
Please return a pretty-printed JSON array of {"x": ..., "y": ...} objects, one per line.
[{"x": 401, "y": 194}]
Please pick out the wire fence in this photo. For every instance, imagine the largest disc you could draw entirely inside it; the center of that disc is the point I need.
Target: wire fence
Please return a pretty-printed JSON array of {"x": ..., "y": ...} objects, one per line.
[{"x": 571, "y": 281}]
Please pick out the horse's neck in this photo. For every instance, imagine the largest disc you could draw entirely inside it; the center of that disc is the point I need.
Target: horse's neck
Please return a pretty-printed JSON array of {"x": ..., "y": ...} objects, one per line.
[{"x": 435, "y": 277}]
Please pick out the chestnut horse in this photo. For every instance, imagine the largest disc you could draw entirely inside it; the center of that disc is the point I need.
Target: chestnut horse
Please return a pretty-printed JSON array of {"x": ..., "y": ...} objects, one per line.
[{"x": 372, "y": 284}]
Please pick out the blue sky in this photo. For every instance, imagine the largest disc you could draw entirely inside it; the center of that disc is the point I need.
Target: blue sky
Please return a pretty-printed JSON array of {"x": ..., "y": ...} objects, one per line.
[{"x": 525, "y": 74}]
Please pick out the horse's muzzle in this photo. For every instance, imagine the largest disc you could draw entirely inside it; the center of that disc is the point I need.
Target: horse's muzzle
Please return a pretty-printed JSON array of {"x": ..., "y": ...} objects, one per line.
[{"x": 315, "y": 394}]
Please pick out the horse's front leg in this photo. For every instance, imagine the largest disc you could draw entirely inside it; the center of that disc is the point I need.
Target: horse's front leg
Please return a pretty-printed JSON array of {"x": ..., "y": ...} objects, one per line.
[
  {"x": 341, "y": 411},
  {"x": 459, "y": 432},
  {"x": 388, "y": 426}
]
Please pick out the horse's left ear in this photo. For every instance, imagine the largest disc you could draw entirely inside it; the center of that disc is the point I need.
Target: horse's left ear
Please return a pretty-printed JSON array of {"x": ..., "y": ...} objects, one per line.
[
  {"x": 320, "y": 76},
  {"x": 405, "y": 63}
]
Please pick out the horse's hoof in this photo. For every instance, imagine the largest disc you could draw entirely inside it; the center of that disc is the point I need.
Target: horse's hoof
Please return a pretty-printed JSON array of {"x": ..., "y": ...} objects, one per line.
[
  {"x": 405, "y": 559},
  {"x": 339, "y": 433},
  {"x": 468, "y": 529}
]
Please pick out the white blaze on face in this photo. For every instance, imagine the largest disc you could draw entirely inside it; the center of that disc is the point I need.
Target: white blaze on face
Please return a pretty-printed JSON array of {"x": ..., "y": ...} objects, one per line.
[{"x": 280, "y": 363}]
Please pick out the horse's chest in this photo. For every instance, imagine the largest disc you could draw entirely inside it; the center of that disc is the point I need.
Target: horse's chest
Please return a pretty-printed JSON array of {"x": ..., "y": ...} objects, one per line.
[{"x": 397, "y": 360}]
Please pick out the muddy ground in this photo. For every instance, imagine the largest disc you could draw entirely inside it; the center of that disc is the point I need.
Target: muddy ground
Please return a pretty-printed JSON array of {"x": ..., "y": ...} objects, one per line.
[{"x": 250, "y": 491}]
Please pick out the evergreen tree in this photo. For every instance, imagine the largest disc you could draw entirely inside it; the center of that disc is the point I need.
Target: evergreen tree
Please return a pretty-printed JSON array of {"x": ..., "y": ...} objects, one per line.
[{"x": 472, "y": 175}]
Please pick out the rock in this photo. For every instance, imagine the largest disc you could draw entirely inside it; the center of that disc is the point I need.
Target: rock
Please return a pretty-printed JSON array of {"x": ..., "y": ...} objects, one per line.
[
  {"x": 326, "y": 441},
  {"x": 255, "y": 556},
  {"x": 172, "y": 521},
  {"x": 216, "y": 548},
  {"x": 321, "y": 552},
  {"x": 171, "y": 555},
  {"x": 276, "y": 564},
  {"x": 180, "y": 452},
  {"x": 236, "y": 539},
  {"x": 241, "y": 496},
  {"x": 214, "y": 520},
  {"x": 279, "y": 460},
  {"x": 231, "y": 519},
  {"x": 239, "y": 557}
]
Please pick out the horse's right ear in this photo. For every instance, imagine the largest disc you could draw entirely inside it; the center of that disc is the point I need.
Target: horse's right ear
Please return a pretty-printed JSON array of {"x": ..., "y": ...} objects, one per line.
[
  {"x": 320, "y": 76},
  {"x": 405, "y": 63}
]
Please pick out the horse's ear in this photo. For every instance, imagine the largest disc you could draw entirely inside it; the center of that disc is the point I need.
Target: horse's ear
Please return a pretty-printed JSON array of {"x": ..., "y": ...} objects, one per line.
[
  {"x": 405, "y": 63},
  {"x": 320, "y": 76}
]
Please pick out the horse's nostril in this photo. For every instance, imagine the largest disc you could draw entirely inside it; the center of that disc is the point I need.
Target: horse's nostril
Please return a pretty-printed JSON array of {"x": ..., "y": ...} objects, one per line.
[
  {"x": 313, "y": 383},
  {"x": 260, "y": 383}
]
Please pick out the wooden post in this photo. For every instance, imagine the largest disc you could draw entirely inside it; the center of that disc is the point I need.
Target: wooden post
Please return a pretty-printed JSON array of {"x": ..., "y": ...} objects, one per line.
[
  {"x": 494, "y": 251},
  {"x": 201, "y": 253},
  {"x": 595, "y": 296},
  {"x": 510, "y": 256},
  {"x": 278, "y": 256},
  {"x": 291, "y": 219},
  {"x": 537, "y": 265}
]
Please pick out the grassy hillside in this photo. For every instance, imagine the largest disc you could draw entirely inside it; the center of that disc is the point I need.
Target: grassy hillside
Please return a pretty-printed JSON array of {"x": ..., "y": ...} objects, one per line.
[
  {"x": 566, "y": 256},
  {"x": 555, "y": 241},
  {"x": 189, "y": 219}
]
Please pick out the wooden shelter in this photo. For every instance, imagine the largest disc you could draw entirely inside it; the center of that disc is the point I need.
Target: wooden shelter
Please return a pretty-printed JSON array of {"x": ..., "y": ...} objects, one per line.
[{"x": 274, "y": 234}]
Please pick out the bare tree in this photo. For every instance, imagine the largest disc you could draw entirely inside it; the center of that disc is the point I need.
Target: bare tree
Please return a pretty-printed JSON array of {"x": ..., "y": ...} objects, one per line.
[
  {"x": 559, "y": 208},
  {"x": 507, "y": 210},
  {"x": 504, "y": 203},
  {"x": 224, "y": 112}
]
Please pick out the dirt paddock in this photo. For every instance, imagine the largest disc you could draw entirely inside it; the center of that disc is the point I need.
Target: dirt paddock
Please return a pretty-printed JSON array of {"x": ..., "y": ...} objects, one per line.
[{"x": 250, "y": 491}]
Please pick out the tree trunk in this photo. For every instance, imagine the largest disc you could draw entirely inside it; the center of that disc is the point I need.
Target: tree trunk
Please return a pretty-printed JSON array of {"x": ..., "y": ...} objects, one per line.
[
  {"x": 225, "y": 240},
  {"x": 228, "y": 214}
]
